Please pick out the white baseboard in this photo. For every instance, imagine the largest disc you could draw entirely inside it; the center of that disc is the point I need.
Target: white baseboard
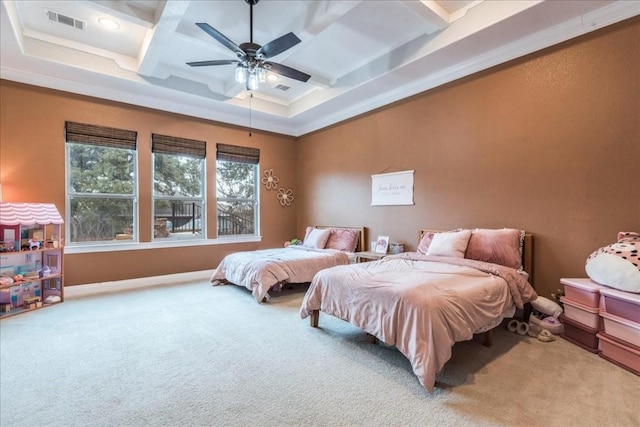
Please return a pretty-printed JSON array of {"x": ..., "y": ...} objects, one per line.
[{"x": 129, "y": 284}]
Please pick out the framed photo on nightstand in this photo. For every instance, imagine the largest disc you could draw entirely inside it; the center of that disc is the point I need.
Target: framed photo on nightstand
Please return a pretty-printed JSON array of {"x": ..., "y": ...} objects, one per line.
[{"x": 382, "y": 244}]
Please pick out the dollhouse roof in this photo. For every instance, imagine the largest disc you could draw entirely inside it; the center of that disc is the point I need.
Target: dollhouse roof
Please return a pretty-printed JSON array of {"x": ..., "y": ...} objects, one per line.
[{"x": 29, "y": 214}]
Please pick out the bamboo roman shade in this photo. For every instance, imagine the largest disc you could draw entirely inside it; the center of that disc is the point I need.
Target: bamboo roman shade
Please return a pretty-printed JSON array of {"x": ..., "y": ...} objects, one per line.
[
  {"x": 234, "y": 153},
  {"x": 100, "y": 135},
  {"x": 163, "y": 144}
]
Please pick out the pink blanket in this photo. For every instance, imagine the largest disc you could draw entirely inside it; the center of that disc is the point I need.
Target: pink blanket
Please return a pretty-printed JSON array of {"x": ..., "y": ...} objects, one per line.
[
  {"x": 422, "y": 305},
  {"x": 260, "y": 270}
]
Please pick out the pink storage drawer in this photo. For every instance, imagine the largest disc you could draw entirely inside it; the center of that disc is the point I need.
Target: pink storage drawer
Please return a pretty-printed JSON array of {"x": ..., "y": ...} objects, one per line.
[
  {"x": 620, "y": 303},
  {"x": 623, "y": 329},
  {"x": 580, "y": 335},
  {"x": 625, "y": 356},
  {"x": 583, "y": 291},
  {"x": 587, "y": 316}
]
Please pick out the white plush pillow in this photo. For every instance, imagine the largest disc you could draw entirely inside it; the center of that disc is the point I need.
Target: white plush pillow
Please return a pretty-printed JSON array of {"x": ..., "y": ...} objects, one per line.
[
  {"x": 452, "y": 244},
  {"x": 317, "y": 238}
]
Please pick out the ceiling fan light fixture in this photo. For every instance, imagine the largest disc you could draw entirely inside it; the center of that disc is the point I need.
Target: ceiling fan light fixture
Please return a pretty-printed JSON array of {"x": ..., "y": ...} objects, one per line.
[
  {"x": 261, "y": 73},
  {"x": 252, "y": 81},
  {"x": 241, "y": 74},
  {"x": 251, "y": 74}
]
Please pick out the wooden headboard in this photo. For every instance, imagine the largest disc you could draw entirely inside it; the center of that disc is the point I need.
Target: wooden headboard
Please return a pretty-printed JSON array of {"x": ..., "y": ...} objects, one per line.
[
  {"x": 362, "y": 241},
  {"x": 527, "y": 250}
]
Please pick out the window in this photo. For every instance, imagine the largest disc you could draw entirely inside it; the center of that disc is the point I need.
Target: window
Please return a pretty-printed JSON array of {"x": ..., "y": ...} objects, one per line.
[
  {"x": 178, "y": 187},
  {"x": 101, "y": 184},
  {"x": 237, "y": 190}
]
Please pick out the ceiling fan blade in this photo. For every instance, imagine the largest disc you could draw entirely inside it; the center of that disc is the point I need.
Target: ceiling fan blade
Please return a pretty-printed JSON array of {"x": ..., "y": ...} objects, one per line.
[
  {"x": 285, "y": 71},
  {"x": 221, "y": 38},
  {"x": 279, "y": 45},
  {"x": 213, "y": 62}
]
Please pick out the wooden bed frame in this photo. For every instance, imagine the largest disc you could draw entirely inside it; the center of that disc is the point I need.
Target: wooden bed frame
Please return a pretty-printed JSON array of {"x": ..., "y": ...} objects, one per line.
[{"x": 527, "y": 264}]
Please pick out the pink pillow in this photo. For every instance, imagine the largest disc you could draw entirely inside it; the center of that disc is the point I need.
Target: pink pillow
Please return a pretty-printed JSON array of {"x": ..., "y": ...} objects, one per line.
[
  {"x": 343, "y": 239},
  {"x": 425, "y": 242},
  {"x": 502, "y": 246}
]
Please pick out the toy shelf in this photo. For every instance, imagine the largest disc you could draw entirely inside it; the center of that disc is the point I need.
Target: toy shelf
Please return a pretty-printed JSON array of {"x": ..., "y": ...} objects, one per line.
[
  {"x": 29, "y": 280},
  {"x": 31, "y": 257}
]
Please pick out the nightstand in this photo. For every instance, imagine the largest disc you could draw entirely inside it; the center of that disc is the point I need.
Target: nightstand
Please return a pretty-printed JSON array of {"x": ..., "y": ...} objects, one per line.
[{"x": 369, "y": 256}]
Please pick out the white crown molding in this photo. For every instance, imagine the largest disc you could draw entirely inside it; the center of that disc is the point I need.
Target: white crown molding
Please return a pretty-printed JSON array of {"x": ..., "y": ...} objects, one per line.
[{"x": 326, "y": 108}]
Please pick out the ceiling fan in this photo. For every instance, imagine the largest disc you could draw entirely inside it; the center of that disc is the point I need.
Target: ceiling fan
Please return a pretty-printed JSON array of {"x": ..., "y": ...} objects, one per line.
[{"x": 252, "y": 65}]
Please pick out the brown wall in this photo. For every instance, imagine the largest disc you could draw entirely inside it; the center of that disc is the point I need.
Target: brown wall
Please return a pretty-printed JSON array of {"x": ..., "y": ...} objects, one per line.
[
  {"x": 549, "y": 143},
  {"x": 32, "y": 169}
]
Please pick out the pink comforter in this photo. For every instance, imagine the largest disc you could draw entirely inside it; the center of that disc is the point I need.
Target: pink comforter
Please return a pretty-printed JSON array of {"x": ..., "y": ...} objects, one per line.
[
  {"x": 422, "y": 305},
  {"x": 260, "y": 270}
]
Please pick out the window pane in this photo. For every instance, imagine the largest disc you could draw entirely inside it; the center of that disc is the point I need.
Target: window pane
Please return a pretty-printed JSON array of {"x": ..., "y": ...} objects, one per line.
[
  {"x": 175, "y": 175},
  {"x": 236, "y": 186},
  {"x": 236, "y": 218},
  {"x": 95, "y": 219},
  {"x": 177, "y": 219},
  {"x": 101, "y": 194},
  {"x": 178, "y": 197},
  {"x": 235, "y": 180},
  {"x": 101, "y": 170}
]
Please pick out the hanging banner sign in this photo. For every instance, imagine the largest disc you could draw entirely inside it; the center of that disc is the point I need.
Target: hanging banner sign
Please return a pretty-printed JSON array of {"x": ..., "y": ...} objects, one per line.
[{"x": 390, "y": 189}]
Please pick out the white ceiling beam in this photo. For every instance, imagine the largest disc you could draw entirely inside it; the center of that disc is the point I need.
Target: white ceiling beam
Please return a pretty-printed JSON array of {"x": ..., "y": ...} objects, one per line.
[
  {"x": 152, "y": 50},
  {"x": 54, "y": 48},
  {"x": 15, "y": 26},
  {"x": 434, "y": 15}
]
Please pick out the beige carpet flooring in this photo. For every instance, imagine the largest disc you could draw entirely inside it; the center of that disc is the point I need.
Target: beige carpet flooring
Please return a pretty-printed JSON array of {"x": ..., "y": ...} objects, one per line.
[{"x": 189, "y": 354}]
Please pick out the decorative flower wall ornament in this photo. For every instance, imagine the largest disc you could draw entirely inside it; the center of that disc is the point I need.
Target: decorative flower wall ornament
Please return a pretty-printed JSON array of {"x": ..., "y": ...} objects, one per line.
[
  {"x": 270, "y": 181},
  {"x": 285, "y": 197}
]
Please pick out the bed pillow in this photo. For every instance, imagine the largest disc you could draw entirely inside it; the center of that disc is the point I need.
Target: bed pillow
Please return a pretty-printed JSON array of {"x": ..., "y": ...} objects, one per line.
[
  {"x": 452, "y": 244},
  {"x": 425, "y": 241},
  {"x": 343, "y": 239},
  {"x": 308, "y": 230},
  {"x": 503, "y": 246},
  {"x": 317, "y": 238}
]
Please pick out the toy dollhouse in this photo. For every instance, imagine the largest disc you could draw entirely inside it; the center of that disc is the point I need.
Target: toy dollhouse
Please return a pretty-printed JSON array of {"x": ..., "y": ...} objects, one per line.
[{"x": 31, "y": 257}]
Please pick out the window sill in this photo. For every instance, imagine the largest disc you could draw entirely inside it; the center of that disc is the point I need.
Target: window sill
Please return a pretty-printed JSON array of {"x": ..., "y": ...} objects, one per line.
[{"x": 135, "y": 246}]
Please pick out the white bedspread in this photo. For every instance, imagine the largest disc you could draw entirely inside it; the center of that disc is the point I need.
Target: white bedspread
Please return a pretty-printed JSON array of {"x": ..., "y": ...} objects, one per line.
[
  {"x": 259, "y": 270},
  {"x": 420, "y": 304}
]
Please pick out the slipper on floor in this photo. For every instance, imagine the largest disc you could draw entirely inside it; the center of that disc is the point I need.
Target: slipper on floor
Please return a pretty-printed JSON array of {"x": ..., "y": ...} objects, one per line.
[{"x": 546, "y": 336}]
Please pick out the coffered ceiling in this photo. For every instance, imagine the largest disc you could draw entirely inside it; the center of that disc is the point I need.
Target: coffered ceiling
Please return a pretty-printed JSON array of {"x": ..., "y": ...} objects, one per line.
[{"x": 361, "y": 55}]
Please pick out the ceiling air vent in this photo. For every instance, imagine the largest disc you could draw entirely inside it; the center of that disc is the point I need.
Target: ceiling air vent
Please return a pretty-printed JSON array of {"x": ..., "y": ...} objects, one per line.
[
  {"x": 65, "y": 20},
  {"x": 282, "y": 87}
]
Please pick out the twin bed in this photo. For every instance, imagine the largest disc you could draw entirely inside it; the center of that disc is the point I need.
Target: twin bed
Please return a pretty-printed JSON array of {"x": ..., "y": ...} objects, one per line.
[
  {"x": 457, "y": 284},
  {"x": 424, "y": 302},
  {"x": 267, "y": 270}
]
